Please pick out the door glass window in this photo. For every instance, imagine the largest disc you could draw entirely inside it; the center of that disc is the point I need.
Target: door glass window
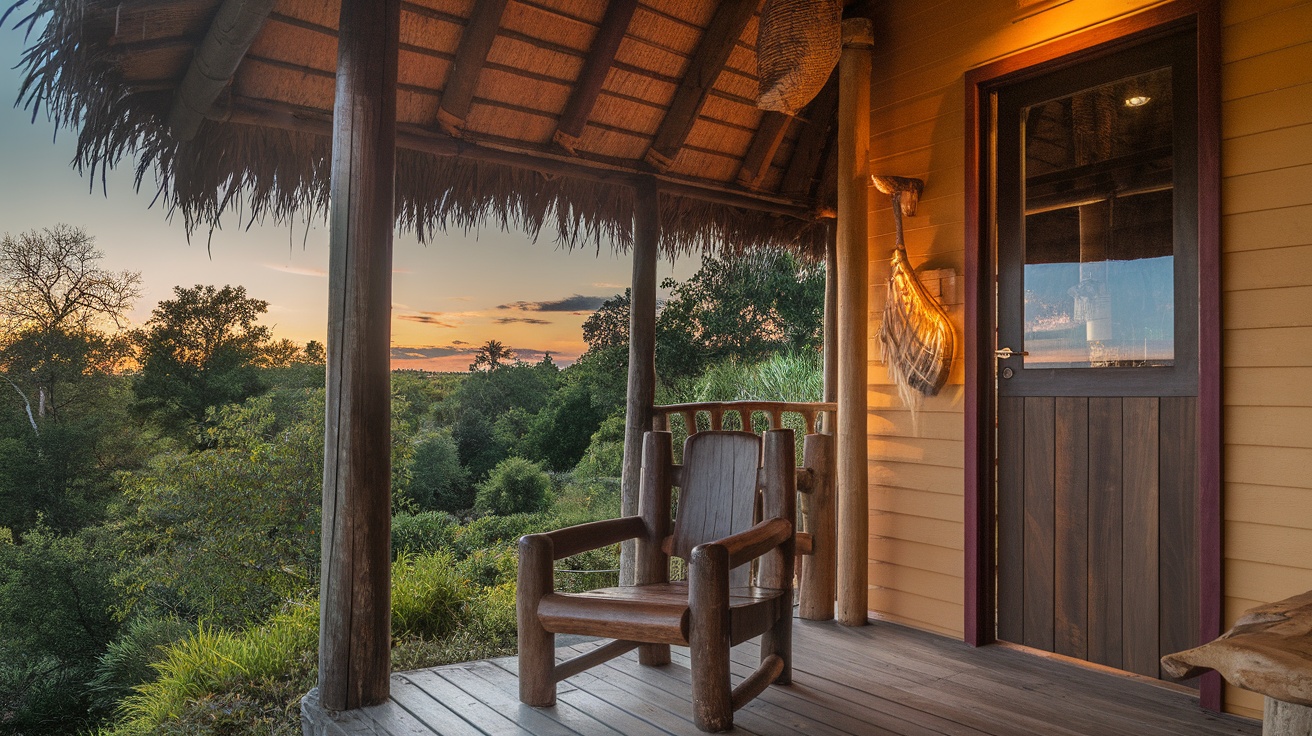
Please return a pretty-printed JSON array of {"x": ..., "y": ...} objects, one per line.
[{"x": 1099, "y": 276}]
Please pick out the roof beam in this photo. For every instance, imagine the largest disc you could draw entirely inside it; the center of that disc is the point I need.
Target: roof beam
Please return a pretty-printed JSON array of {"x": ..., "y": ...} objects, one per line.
[
  {"x": 717, "y": 43},
  {"x": 471, "y": 55},
  {"x": 588, "y": 86},
  {"x": 416, "y": 138},
  {"x": 818, "y": 122},
  {"x": 765, "y": 144},
  {"x": 231, "y": 33}
]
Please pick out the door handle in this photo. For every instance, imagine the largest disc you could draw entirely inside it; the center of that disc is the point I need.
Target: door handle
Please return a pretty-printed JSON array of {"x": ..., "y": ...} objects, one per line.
[{"x": 1004, "y": 353}]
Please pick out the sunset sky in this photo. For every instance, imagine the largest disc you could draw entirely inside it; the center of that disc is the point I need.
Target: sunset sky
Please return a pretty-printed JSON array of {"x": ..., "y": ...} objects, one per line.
[{"x": 448, "y": 296}]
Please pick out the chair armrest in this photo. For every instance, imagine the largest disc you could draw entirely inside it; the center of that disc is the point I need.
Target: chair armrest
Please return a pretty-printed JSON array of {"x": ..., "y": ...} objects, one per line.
[
  {"x": 583, "y": 537},
  {"x": 747, "y": 545}
]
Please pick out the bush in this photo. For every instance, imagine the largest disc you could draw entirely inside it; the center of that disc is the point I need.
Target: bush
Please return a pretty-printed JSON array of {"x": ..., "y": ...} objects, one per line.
[
  {"x": 424, "y": 532},
  {"x": 515, "y": 485},
  {"x": 604, "y": 457},
  {"x": 438, "y": 481},
  {"x": 427, "y": 595},
  {"x": 129, "y": 660}
]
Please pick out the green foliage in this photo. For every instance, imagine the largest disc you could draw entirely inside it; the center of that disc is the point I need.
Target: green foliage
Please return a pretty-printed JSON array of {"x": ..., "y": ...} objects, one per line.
[
  {"x": 437, "y": 479},
  {"x": 427, "y": 531},
  {"x": 741, "y": 308},
  {"x": 225, "y": 534},
  {"x": 561, "y": 432},
  {"x": 515, "y": 485},
  {"x": 482, "y": 398},
  {"x": 55, "y": 619},
  {"x": 604, "y": 456},
  {"x": 200, "y": 350},
  {"x": 427, "y": 595},
  {"x": 217, "y": 681},
  {"x": 128, "y": 661}
]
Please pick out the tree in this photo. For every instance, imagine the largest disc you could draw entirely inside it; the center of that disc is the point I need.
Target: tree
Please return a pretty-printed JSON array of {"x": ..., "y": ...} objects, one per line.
[
  {"x": 200, "y": 350},
  {"x": 514, "y": 486},
  {"x": 437, "y": 481},
  {"x": 58, "y": 309},
  {"x": 491, "y": 355},
  {"x": 744, "y": 309}
]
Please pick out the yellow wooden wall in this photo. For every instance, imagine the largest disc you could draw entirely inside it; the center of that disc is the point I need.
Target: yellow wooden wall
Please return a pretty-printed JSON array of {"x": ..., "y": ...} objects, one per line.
[{"x": 916, "y": 473}]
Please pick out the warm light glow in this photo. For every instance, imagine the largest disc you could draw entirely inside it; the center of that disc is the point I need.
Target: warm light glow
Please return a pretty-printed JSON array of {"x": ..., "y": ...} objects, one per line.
[{"x": 1137, "y": 101}]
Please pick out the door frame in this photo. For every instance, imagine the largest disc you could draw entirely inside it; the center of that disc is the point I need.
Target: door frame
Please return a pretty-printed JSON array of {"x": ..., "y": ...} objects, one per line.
[{"x": 980, "y": 304}]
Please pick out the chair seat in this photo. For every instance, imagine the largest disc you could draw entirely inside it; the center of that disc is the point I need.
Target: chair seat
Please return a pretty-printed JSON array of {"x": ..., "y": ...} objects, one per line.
[{"x": 656, "y": 614}]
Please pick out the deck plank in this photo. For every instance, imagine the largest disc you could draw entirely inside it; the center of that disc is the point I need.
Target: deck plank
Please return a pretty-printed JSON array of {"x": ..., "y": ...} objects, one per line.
[{"x": 881, "y": 679}]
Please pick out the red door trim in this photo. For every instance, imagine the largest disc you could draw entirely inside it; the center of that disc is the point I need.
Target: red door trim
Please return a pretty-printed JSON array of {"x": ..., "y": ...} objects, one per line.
[{"x": 980, "y": 307}]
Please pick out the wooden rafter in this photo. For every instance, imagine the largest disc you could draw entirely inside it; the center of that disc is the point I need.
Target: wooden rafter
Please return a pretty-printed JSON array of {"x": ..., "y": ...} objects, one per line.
[
  {"x": 231, "y": 33},
  {"x": 415, "y": 138},
  {"x": 817, "y": 126},
  {"x": 717, "y": 43},
  {"x": 471, "y": 55},
  {"x": 756, "y": 164},
  {"x": 588, "y": 86}
]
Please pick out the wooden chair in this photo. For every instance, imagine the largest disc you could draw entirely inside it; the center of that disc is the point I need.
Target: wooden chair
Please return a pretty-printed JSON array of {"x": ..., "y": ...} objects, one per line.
[{"x": 721, "y": 530}]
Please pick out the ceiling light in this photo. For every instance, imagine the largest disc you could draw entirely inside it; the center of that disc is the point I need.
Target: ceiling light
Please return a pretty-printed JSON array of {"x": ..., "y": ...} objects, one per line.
[{"x": 1137, "y": 101}]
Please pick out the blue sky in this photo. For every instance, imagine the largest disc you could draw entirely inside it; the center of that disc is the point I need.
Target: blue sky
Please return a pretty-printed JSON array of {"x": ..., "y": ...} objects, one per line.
[{"x": 448, "y": 295}]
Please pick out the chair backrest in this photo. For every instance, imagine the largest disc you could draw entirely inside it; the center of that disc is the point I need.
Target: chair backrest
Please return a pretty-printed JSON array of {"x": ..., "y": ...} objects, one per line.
[{"x": 718, "y": 494}]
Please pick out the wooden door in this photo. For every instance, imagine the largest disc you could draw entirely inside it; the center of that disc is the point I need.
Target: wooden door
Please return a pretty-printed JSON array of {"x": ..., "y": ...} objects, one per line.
[{"x": 1097, "y": 375}]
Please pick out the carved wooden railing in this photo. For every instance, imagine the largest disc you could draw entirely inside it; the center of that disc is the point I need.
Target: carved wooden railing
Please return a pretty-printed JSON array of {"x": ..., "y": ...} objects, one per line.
[{"x": 817, "y": 536}]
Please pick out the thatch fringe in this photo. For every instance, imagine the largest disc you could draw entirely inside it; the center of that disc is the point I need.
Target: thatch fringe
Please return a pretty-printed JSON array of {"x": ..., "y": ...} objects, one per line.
[{"x": 283, "y": 176}]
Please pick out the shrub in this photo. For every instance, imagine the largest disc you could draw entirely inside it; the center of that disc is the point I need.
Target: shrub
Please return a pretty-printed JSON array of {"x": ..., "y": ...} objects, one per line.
[
  {"x": 128, "y": 661},
  {"x": 515, "y": 485},
  {"x": 604, "y": 457},
  {"x": 427, "y": 595},
  {"x": 424, "y": 532},
  {"x": 438, "y": 481}
]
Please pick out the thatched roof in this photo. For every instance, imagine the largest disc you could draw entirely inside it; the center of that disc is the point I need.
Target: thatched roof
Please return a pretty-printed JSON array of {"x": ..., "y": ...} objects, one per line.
[{"x": 736, "y": 178}]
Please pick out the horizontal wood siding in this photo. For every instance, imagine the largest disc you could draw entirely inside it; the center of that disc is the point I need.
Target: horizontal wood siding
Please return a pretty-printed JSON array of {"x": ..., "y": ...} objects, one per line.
[
  {"x": 1266, "y": 129},
  {"x": 922, "y": 52}
]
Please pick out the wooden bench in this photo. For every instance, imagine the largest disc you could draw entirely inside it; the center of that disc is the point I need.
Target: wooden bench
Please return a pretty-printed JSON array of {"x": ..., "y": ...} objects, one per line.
[{"x": 1268, "y": 651}]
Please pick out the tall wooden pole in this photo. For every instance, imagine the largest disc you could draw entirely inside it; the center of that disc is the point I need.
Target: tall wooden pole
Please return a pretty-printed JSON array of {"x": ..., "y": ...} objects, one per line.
[
  {"x": 642, "y": 354},
  {"x": 853, "y": 315},
  {"x": 831, "y": 319},
  {"x": 355, "y": 585}
]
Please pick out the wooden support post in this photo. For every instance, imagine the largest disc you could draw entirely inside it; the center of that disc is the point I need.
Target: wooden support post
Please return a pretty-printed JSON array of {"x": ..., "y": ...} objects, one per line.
[
  {"x": 653, "y": 564},
  {"x": 831, "y": 320},
  {"x": 642, "y": 354},
  {"x": 231, "y": 33},
  {"x": 817, "y": 600},
  {"x": 355, "y": 633},
  {"x": 471, "y": 55},
  {"x": 600, "y": 57},
  {"x": 722, "y": 33},
  {"x": 853, "y": 315}
]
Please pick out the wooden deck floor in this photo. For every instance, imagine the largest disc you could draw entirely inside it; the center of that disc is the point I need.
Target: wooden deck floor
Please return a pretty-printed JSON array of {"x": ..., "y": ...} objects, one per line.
[{"x": 878, "y": 679}]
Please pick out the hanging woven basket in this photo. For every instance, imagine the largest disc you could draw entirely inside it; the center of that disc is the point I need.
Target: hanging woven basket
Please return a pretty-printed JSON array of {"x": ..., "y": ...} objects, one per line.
[{"x": 797, "y": 48}]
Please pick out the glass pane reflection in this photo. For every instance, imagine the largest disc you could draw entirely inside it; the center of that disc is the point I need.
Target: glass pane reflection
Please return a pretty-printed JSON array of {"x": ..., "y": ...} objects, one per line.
[{"x": 1099, "y": 257}]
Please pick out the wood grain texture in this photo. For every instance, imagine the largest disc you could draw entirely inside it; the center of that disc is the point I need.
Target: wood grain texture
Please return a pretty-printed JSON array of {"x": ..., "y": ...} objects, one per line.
[
  {"x": 641, "y": 389},
  {"x": 1105, "y": 512},
  {"x": 475, "y": 43},
  {"x": 853, "y": 478},
  {"x": 601, "y": 55},
  {"x": 1178, "y": 527},
  {"x": 1038, "y": 462},
  {"x": 1071, "y": 536},
  {"x": 880, "y": 680},
  {"x": 718, "y": 495},
  {"x": 1140, "y": 530},
  {"x": 355, "y": 582},
  {"x": 717, "y": 42},
  {"x": 1011, "y": 521}
]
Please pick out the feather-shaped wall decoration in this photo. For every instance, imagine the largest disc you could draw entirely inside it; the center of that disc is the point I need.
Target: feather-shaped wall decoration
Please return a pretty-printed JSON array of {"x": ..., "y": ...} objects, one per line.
[{"x": 916, "y": 337}]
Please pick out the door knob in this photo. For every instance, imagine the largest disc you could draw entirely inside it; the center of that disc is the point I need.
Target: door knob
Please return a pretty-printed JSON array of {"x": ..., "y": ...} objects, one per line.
[{"x": 1004, "y": 353}]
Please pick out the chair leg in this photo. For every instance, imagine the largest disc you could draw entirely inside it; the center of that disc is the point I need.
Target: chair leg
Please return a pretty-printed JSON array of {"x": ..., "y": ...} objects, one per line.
[
  {"x": 654, "y": 655},
  {"x": 708, "y": 638},
  {"x": 778, "y": 639},
  {"x": 537, "y": 646}
]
